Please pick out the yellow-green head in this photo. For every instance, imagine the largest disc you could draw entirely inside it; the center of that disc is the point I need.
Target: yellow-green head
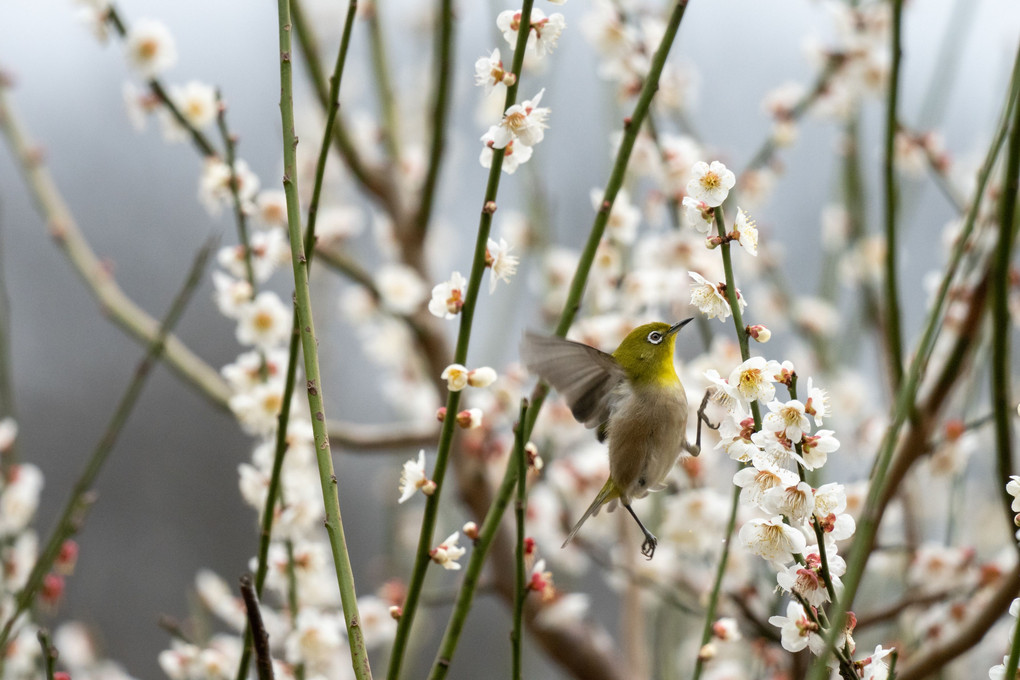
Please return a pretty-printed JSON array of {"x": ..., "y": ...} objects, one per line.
[{"x": 646, "y": 354}]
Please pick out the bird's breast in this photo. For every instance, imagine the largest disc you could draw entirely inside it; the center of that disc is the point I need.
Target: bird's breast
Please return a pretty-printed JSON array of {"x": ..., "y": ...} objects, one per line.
[{"x": 646, "y": 434}]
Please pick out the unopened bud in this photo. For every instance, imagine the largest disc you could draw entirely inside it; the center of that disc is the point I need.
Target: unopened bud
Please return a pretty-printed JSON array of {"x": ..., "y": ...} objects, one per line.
[
  {"x": 470, "y": 418},
  {"x": 1016, "y": 520},
  {"x": 396, "y": 612},
  {"x": 529, "y": 546},
  {"x": 707, "y": 652},
  {"x": 441, "y": 414},
  {"x": 509, "y": 79},
  {"x": 726, "y": 629},
  {"x": 535, "y": 461},
  {"x": 428, "y": 487},
  {"x": 713, "y": 242},
  {"x": 52, "y": 588},
  {"x": 471, "y": 530},
  {"x": 67, "y": 558},
  {"x": 759, "y": 332},
  {"x": 481, "y": 377},
  {"x": 954, "y": 429}
]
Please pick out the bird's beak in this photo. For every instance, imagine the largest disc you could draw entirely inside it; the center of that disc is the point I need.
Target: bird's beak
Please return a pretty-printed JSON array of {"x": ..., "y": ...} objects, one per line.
[{"x": 677, "y": 326}]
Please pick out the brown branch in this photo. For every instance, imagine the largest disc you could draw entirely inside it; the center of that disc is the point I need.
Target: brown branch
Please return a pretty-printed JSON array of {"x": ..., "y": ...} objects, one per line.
[
  {"x": 260, "y": 637},
  {"x": 926, "y": 661}
]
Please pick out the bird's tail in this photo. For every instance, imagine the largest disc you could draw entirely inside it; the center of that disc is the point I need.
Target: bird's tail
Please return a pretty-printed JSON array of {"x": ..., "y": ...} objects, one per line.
[{"x": 606, "y": 494}]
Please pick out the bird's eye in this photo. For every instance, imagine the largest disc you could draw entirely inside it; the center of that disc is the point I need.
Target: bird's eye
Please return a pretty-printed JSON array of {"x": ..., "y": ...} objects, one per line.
[{"x": 655, "y": 337}]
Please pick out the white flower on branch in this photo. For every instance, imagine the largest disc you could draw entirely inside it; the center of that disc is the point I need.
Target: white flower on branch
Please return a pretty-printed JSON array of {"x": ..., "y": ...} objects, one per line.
[
  {"x": 400, "y": 287},
  {"x": 515, "y": 153},
  {"x": 489, "y": 72},
  {"x": 502, "y": 264},
  {"x": 544, "y": 31},
  {"x": 746, "y": 232},
  {"x": 448, "y": 552},
  {"x": 412, "y": 478},
  {"x": 797, "y": 631},
  {"x": 150, "y": 48},
  {"x": 196, "y": 102},
  {"x": 772, "y": 539},
  {"x": 448, "y": 297},
  {"x": 711, "y": 183},
  {"x": 265, "y": 322},
  {"x": 524, "y": 122},
  {"x": 710, "y": 298}
]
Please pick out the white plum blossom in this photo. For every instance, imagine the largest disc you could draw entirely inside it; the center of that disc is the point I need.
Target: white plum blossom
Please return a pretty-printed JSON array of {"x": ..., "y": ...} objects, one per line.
[
  {"x": 265, "y": 322},
  {"x": 624, "y": 217},
  {"x": 448, "y": 552},
  {"x": 795, "y": 502},
  {"x": 772, "y": 539},
  {"x": 816, "y": 448},
  {"x": 448, "y": 297},
  {"x": 515, "y": 154},
  {"x": 710, "y": 184},
  {"x": 271, "y": 210},
  {"x": 755, "y": 482},
  {"x": 524, "y": 122},
  {"x": 752, "y": 380},
  {"x": 412, "y": 478},
  {"x": 1013, "y": 489},
  {"x": 400, "y": 287},
  {"x": 258, "y": 408},
  {"x": 150, "y": 48},
  {"x": 786, "y": 420},
  {"x": 797, "y": 631},
  {"x": 214, "y": 188},
  {"x": 456, "y": 377},
  {"x": 817, "y": 404},
  {"x": 196, "y": 102},
  {"x": 19, "y": 497},
  {"x": 337, "y": 223},
  {"x": 544, "y": 31},
  {"x": 231, "y": 294},
  {"x": 710, "y": 299},
  {"x": 501, "y": 263},
  {"x": 698, "y": 215},
  {"x": 746, "y": 231},
  {"x": 489, "y": 72}
]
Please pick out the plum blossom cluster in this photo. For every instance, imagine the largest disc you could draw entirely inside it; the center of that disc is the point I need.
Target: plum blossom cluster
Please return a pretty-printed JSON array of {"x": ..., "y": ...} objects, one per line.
[{"x": 523, "y": 125}]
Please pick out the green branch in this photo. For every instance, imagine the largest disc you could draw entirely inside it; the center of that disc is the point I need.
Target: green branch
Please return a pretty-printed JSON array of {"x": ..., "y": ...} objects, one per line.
[
  {"x": 893, "y": 333},
  {"x": 327, "y": 478},
  {"x": 520, "y": 583}
]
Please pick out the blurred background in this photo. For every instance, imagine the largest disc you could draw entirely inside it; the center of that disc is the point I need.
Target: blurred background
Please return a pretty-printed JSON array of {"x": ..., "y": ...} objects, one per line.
[{"x": 168, "y": 501}]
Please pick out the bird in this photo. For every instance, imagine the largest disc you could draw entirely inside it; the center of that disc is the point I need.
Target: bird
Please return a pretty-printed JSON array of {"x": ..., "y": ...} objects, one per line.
[{"x": 635, "y": 401}]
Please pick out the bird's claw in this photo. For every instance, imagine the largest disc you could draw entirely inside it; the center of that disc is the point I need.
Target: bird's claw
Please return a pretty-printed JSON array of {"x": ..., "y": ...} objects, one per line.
[{"x": 648, "y": 547}]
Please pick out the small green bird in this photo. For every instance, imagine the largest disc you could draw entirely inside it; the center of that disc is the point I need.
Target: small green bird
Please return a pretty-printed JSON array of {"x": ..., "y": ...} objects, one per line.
[{"x": 635, "y": 399}]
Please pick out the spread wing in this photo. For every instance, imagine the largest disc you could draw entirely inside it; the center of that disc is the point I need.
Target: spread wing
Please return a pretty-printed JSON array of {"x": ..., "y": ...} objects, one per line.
[{"x": 584, "y": 375}]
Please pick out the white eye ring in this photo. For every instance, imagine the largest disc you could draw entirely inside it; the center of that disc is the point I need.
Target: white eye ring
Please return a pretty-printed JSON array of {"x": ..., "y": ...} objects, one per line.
[{"x": 655, "y": 337}]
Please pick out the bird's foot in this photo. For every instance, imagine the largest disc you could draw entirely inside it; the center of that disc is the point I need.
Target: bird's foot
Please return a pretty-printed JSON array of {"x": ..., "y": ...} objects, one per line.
[{"x": 648, "y": 547}]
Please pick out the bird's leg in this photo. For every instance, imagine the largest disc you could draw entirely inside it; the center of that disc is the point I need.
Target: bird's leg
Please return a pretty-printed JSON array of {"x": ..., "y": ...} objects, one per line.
[
  {"x": 648, "y": 547},
  {"x": 702, "y": 418}
]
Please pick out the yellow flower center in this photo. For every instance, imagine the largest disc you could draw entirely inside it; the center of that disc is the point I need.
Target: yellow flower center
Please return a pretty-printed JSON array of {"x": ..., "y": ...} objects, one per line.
[{"x": 711, "y": 181}]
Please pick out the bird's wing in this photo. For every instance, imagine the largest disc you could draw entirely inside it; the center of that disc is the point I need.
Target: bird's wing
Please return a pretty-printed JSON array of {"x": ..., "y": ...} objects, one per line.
[{"x": 585, "y": 376}]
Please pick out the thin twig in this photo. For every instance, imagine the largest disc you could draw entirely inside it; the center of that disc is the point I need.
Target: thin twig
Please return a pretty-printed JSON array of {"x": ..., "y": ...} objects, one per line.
[
  {"x": 263, "y": 658},
  {"x": 894, "y": 338},
  {"x": 156, "y": 85},
  {"x": 49, "y": 653},
  {"x": 520, "y": 587}
]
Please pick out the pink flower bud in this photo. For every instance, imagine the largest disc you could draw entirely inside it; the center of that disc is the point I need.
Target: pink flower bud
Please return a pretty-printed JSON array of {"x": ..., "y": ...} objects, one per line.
[
  {"x": 470, "y": 418},
  {"x": 471, "y": 531},
  {"x": 759, "y": 332},
  {"x": 428, "y": 488},
  {"x": 396, "y": 612}
]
